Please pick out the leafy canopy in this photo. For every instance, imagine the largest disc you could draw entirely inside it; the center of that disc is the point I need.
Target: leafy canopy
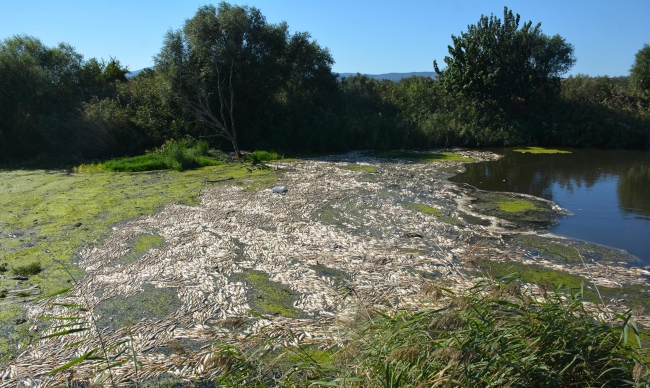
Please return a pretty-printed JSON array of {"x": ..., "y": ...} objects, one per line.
[
  {"x": 497, "y": 64},
  {"x": 640, "y": 71},
  {"x": 229, "y": 56}
]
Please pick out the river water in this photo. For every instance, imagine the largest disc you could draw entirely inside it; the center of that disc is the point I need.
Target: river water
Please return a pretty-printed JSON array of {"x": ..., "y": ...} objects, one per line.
[{"x": 607, "y": 191}]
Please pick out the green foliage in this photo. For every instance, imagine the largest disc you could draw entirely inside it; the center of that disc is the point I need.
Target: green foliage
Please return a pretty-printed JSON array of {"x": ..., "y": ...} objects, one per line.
[
  {"x": 41, "y": 89},
  {"x": 263, "y": 156},
  {"x": 178, "y": 155},
  {"x": 640, "y": 71},
  {"x": 503, "y": 67},
  {"x": 228, "y": 65},
  {"x": 493, "y": 335}
]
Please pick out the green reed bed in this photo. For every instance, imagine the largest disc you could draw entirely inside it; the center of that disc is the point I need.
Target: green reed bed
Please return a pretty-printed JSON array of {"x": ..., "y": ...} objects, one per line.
[{"x": 495, "y": 334}]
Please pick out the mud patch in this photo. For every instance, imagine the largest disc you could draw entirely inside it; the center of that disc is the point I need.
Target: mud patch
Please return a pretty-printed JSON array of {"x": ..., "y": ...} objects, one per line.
[
  {"x": 152, "y": 303},
  {"x": 180, "y": 347}
]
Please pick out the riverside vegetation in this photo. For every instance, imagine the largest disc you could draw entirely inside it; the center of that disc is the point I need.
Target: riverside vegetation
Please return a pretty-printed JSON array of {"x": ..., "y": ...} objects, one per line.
[
  {"x": 541, "y": 319},
  {"x": 135, "y": 146},
  {"x": 55, "y": 104}
]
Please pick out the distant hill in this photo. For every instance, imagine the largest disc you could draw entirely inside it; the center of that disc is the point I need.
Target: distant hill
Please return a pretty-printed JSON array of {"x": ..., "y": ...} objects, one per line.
[
  {"x": 394, "y": 76},
  {"x": 133, "y": 73},
  {"x": 389, "y": 76}
]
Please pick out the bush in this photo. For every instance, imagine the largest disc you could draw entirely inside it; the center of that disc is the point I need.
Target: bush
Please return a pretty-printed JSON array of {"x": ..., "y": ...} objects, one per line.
[
  {"x": 176, "y": 155},
  {"x": 263, "y": 156}
]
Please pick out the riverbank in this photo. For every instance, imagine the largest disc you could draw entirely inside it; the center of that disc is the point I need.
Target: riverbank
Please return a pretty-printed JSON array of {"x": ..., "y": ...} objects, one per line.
[{"x": 353, "y": 232}]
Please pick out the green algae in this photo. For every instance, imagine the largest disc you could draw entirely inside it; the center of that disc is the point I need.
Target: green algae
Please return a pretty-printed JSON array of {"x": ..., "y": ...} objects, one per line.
[
  {"x": 422, "y": 208},
  {"x": 268, "y": 297},
  {"x": 48, "y": 217},
  {"x": 517, "y": 206},
  {"x": 360, "y": 167},
  {"x": 138, "y": 246},
  {"x": 14, "y": 331},
  {"x": 151, "y": 303},
  {"x": 633, "y": 295},
  {"x": 540, "y": 150},
  {"x": 52, "y": 215},
  {"x": 423, "y": 156},
  {"x": 523, "y": 212},
  {"x": 570, "y": 251},
  {"x": 418, "y": 207},
  {"x": 146, "y": 242}
]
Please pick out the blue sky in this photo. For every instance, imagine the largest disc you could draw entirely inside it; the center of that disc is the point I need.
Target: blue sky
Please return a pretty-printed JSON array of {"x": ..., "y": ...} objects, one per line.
[{"x": 363, "y": 36}]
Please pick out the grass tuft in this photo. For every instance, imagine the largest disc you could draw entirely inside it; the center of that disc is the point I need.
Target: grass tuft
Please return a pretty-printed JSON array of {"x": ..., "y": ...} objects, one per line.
[
  {"x": 178, "y": 155},
  {"x": 263, "y": 156},
  {"x": 494, "y": 334},
  {"x": 28, "y": 269}
]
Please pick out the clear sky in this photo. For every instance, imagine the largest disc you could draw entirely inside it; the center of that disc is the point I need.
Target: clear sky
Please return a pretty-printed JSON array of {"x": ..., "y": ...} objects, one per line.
[{"x": 370, "y": 37}]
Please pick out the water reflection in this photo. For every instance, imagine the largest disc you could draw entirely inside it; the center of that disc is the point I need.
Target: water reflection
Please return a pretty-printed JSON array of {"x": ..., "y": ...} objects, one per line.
[
  {"x": 634, "y": 191},
  {"x": 609, "y": 191}
]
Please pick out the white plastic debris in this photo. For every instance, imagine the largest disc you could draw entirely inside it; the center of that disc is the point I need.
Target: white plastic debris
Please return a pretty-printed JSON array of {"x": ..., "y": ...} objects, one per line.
[{"x": 279, "y": 189}]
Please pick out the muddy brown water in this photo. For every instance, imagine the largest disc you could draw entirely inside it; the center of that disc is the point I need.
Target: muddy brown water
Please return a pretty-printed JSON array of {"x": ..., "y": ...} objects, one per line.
[{"x": 608, "y": 192}]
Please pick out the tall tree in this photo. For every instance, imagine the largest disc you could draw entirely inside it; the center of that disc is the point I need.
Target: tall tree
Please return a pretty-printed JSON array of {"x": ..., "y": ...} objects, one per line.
[
  {"x": 228, "y": 64},
  {"x": 499, "y": 65},
  {"x": 640, "y": 71}
]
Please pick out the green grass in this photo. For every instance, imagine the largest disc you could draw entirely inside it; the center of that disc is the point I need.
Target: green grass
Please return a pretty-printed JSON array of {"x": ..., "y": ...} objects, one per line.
[
  {"x": 423, "y": 156},
  {"x": 494, "y": 334},
  {"x": 175, "y": 155},
  {"x": 263, "y": 156},
  {"x": 540, "y": 150}
]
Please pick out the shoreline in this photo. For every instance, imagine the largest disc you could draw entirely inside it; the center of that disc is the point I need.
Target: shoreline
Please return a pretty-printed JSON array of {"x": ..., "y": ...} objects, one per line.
[{"x": 384, "y": 232}]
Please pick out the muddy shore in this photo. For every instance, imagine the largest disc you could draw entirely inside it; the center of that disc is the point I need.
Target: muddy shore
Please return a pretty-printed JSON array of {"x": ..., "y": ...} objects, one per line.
[{"x": 352, "y": 232}]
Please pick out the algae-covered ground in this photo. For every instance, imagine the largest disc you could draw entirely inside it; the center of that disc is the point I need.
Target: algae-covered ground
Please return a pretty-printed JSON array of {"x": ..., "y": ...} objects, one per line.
[
  {"x": 540, "y": 150},
  {"x": 523, "y": 212},
  {"x": 633, "y": 295},
  {"x": 48, "y": 216},
  {"x": 354, "y": 232},
  {"x": 424, "y": 156}
]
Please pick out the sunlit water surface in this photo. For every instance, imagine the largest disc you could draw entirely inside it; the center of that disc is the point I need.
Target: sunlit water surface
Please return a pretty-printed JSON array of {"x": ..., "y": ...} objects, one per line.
[{"x": 607, "y": 191}]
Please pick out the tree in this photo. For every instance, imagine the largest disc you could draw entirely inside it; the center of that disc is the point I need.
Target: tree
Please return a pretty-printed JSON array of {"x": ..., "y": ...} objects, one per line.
[
  {"x": 499, "y": 65},
  {"x": 640, "y": 71},
  {"x": 228, "y": 62}
]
